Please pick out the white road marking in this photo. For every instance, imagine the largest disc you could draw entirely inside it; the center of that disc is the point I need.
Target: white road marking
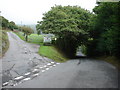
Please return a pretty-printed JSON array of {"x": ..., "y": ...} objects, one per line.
[
  {"x": 27, "y": 73},
  {"x": 18, "y": 77},
  {"x": 57, "y": 63},
  {"x": 47, "y": 68},
  {"x": 36, "y": 74},
  {"x": 6, "y": 83},
  {"x": 54, "y": 65},
  {"x": 35, "y": 70},
  {"x": 41, "y": 67},
  {"x": 26, "y": 79},
  {"x": 14, "y": 84},
  {"x": 43, "y": 70},
  {"x": 49, "y": 64}
]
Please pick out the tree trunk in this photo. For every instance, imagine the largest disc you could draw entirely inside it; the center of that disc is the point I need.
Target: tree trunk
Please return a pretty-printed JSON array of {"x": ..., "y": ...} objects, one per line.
[{"x": 26, "y": 37}]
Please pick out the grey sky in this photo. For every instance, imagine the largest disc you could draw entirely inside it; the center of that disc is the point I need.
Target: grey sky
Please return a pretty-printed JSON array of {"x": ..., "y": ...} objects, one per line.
[{"x": 30, "y": 11}]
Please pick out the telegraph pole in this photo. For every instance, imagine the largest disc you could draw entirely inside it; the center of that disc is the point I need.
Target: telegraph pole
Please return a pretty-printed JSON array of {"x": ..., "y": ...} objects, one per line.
[
  {"x": 21, "y": 25},
  {"x": 0, "y": 21}
]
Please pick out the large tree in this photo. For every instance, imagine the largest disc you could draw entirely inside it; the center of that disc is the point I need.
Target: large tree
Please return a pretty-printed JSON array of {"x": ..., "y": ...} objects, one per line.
[
  {"x": 5, "y": 22},
  {"x": 12, "y": 25},
  {"x": 7, "y": 25},
  {"x": 105, "y": 30},
  {"x": 27, "y": 31},
  {"x": 69, "y": 24}
]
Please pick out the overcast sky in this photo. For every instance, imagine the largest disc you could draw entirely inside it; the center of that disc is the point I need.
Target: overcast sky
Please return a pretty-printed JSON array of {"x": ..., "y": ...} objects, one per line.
[{"x": 30, "y": 11}]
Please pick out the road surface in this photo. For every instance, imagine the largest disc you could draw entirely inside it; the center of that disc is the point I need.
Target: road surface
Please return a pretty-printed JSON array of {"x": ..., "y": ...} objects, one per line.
[{"x": 24, "y": 68}]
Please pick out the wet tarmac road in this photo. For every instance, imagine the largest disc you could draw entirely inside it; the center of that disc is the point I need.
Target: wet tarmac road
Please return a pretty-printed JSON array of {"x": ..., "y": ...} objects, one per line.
[
  {"x": 20, "y": 59},
  {"x": 88, "y": 74},
  {"x": 24, "y": 68}
]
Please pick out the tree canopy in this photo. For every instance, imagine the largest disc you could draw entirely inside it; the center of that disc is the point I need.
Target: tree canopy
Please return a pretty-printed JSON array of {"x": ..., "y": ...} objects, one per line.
[
  {"x": 104, "y": 29},
  {"x": 70, "y": 25},
  {"x": 27, "y": 31},
  {"x": 7, "y": 25}
]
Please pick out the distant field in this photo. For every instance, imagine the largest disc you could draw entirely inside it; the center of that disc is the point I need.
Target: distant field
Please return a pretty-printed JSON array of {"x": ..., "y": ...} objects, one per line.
[
  {"x": 4, "y": 42},
  {"x": 33, "y": 38}
]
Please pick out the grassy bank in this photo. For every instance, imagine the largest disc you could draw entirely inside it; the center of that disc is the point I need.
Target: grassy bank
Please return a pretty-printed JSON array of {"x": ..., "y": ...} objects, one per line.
[
  {"x": 47, "y": 51},
  {"x": 52, "y": 53},
  {"x": 4, "y": 42}
]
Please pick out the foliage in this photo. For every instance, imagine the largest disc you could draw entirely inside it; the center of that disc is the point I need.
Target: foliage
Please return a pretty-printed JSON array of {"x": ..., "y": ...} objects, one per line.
[
  {"x": 4, "y": 42},
  {"x": 21, "y": 35},
  {"x": 8, "y": 25},
  {"x": 38, "y": 28},
  {"x": 104, "y": 29},
  {"x": 34, "y": 38},
  {"x": 69, "y": 24},
  {"x": 12, "y": 25},
  {"x": 5, "y": 22},
  {"x": 27, "y": 31}
]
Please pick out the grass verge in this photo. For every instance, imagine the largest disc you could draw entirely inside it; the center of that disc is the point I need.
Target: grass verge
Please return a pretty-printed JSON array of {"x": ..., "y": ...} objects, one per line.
[
  {"x": 20, "y": 34},
  {"x": 4, "y": 42},
  {"x": 52, "y": 53},
  {"x": 47, "y": 51}
]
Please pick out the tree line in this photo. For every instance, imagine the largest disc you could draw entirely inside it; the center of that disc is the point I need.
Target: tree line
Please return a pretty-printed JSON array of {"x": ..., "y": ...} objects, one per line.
[
  {"x": 6, "y": 24},
  {"x": 69, "y": 24},
  {"x": 105, "y": 31},
  {"x": 74, "y": 26}
]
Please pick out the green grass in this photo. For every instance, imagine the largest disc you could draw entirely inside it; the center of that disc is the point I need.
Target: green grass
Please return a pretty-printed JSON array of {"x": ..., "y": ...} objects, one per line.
[
  {"x": 52, "y": 53},
  {"x": 4, "y": 42},
  {"x": 33, "y": 38},
  {"x": 47, "y": 51},
  {"x": 20, "y": 34}
]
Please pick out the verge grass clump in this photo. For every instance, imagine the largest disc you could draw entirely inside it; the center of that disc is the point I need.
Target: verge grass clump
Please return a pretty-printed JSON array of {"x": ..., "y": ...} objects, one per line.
[{"x": 4, "y": 42}]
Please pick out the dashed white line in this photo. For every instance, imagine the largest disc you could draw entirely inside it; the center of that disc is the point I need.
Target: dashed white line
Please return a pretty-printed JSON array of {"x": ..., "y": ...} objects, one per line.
[
  {"x": 47, "y": 68},
  {"x": 57, "y": 63},
  {"x": 18, "y": 77},
  {"x": 54, "y": 65},
  {"x": 49, "y": 64},
  {"x": 41, "y": 67},
  {"x": 36, "y": 74},
  {"x": 43, "y": 70},
  {"x": 26, "y": 79},
  {"x": 6, "y": 83},
  {"x": 27, "y": 73},
  {"x": 35, "y": 70}
]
